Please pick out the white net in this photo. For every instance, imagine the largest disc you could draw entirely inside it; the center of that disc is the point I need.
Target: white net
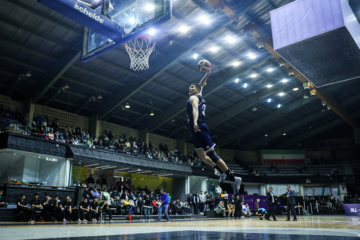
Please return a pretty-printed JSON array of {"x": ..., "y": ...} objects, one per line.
[{"x": 139, "y": 50}]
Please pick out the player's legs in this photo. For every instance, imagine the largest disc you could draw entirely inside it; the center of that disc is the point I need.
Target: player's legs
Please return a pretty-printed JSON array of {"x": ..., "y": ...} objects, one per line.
[{"x": 202, "y": 155}]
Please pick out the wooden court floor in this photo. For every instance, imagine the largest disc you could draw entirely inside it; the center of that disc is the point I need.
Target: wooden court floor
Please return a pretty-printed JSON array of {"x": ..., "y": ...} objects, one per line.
[{"x": 320, "y": 227}]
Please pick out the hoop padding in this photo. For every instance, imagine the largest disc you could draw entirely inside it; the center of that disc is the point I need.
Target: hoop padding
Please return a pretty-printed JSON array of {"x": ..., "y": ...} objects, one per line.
[{"x": 139, "y": 50}]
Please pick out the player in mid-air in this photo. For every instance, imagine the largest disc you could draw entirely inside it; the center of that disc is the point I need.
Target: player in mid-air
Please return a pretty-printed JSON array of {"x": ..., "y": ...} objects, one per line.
[{"x": 204, "y": 145}]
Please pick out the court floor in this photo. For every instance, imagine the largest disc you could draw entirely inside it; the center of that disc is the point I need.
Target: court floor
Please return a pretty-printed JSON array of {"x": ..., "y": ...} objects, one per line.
[{"x": 307, "y": 227}]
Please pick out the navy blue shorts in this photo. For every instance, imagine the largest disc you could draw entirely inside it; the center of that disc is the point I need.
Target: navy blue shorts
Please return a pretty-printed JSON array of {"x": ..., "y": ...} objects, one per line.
[{"x": 202, "y": 140}]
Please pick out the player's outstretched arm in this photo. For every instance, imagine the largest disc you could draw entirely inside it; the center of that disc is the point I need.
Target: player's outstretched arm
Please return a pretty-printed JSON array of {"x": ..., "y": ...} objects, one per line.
[{"x": 203, "y": 80}]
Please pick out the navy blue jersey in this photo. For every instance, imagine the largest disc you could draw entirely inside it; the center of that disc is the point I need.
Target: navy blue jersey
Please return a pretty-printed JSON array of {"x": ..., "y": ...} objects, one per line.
[{"x": 201, "y": 107}]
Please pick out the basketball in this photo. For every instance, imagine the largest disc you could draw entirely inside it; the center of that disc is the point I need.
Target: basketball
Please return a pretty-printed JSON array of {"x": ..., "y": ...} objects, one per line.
[{"x": 204, "y": 65}]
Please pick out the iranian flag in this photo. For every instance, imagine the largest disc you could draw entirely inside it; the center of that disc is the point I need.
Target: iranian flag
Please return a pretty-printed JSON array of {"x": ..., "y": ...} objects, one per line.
[{"x": 283, "y": 156}]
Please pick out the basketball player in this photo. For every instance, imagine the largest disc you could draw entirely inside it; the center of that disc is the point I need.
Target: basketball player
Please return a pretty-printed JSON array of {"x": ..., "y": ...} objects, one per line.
[{"x": 204, "y": 146}]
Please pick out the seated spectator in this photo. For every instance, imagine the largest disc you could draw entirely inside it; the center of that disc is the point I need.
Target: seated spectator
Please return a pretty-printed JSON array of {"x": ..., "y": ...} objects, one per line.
[
  {"x": 155, "y": 205},
  {"x": 100, "y": 200},
  {"x": 22, "y": 206},
  {"x": 186, "y": 207},
  {"x": 115, "y": 194},
  {"x": 231, "y": 209},
  {"x": 245, "y": 210},
  {"x": 130, "y": 206},
  {"x": 117, "y": 203},
  {"x": 87, "y": 193},
  {"x": 35, "y": 206},
  {"x": 67, "y": 205},
  {"x": 2, "y": 200},
  {"x": 140, "y": 204},
  {"x": 94, "y": 210},
  {"x": 147, "y": 207},
  {"x": 105, "y": 208},
  {"x": 75, "y": 210},
  {"x": 95, "y": 193},
  {"x": 177, "y": 207},
  {"x": 51, "y": 136},
  {"x": 47, "y": 207},
  {"x": 84, "y": 207},
  {"x": 106, "y": 194},
  {"x": 220, "y": 209},
  {"x": 124, "y": 195},
  {"x": 58, "y": 210},
  {"x": 57, "y": 136}
]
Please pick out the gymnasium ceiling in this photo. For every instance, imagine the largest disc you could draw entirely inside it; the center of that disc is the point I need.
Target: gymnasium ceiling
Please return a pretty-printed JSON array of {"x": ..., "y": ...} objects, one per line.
[{"x": 36, "y": 39}]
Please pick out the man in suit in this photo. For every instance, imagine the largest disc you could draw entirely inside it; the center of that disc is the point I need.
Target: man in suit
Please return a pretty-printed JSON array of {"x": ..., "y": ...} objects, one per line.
[
  {"x": 196, "y": 203},
  {"x": 190, "y": 200},
  {"x": 290, "y": 194},
  {"x": 270, "y": 201}
]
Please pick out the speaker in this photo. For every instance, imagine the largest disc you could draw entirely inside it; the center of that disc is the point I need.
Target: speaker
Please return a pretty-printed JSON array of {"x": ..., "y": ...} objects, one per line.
[{"x": 320, "y": 39}]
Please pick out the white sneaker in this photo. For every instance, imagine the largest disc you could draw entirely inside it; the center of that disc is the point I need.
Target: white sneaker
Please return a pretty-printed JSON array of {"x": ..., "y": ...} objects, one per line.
[
  {"x": 84, "y": 220},
  {"x": 222, "y": 177},
  {"x": 79, "y": 220},
  {"x": 236, "y": 185}
]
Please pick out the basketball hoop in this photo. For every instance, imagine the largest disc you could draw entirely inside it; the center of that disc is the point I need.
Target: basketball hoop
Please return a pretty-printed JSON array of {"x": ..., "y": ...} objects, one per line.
[{"x": 139, "y": 50}]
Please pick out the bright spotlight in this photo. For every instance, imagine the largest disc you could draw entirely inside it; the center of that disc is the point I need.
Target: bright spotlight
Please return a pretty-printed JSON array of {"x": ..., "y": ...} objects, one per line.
[
  {"x": 214, "y": 49},
  {"x": 245, "y": 85},
  {"x": 237, "y": 80},
  {"x": 269, "y": 100},
  {"x": 253, "y": 75},
  {"x": 269, "y": 70},
  {"x": 269, "y": 86},
  {"x": 236, "y": 63},
  {"x": 149, "y": 7},
  {"x": 195, "y": 56},
  {"x": 278, "y": 106},
  {"x": 132, "y": 20},
  {"x": 204, "y": 19},
  {"x": 281, "y": 94},
  {"x": 230, "y": 39},
  {"x": 295, "y": 89},
  {"x": 184, "y": 29},
  {"x": 285, "y": 80},
  {"x": 251, "y": 55},
  {"x": 151, "y": 32}
]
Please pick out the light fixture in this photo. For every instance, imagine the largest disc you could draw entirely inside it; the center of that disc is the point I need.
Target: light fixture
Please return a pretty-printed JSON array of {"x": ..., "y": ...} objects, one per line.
[
  {"x": 313, "y": 92},
  {"x": 284, "y": 134},
  {"x": 251, "y": 55},
  {"x": 237, "y": 80},
  {"x": 284, "y": 80},
  {"x": 149, "y": 7},
  {"x": 28, "y": 74},
  {"x": 306, "y": 85},
  {"x": 306, "y": 95},
  {"x": 266, "y": 135},
  {"x": 184, "y": 29},
  {"x": 245, "y": 85},
  {"x": 230, "y": 39},
  {"x": 269, "y": 100},
  {"x": 214, "y": 49},
  {"x": 204, "y": 19},
  {"x": 281, "y": 94},
  {"x": 290, "y": 72},
  {"x": 254, "y": 75},
  {"x": 66, "y": 86},
  {"x": 323, "y": 102},
  {"x": 328, "y": 107},
  {"x": 260, "y": 44},
  {"x": 195, "y": 55},
  {"x": 254, "y": 109},
  {"x": 269, "y": 86},
  {"x": 152, "y": 113},
  {"x": 173, "y": 120},
  {"x": 279, "y": 106},
  {"x": 95, "y": 164},
  {"x": 295, "y": 89},
  {"x": 121, "y": 169},
  {"x": 151, "y": 31},
  {"x": 269, "y": 70},
  {"x": 235, "y": 63},
  {"x": 281, "y": 62},
  {"x": 99, "y": 97},
  {"x": 127, "y": 105}
]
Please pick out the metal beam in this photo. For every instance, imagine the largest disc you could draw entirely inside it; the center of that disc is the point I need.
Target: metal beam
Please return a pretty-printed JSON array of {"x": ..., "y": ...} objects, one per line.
[
  {"x": 55, "y": 74},
  {"x": 124, "y": 94},
  {"x": 303, "y": 121}
]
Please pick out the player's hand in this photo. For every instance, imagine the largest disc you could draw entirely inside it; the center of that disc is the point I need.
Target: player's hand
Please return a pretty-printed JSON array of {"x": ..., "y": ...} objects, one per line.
[
  {"x": 196, "y": 128},
  {"x": 287, "y": 196}
]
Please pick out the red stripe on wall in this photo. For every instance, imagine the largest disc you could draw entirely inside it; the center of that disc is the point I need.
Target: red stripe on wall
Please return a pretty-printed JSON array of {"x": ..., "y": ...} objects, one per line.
[{"x": 284, "y": 161}]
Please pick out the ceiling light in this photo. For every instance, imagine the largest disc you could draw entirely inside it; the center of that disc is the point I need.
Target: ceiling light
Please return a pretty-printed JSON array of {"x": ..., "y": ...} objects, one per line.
[
  {"x": 95, "y": 164},
  {"x": 269, "y": 86},
  {"x": 278, "y": 106},
  {"x": 195, "y": 55},
  {"x": 281, "y": 63},
  {"x": 214, "y": 49},
  {"x": 173, "y": 120},
  {"x": 121, "y": 169},
  {"x": 204, "y": 19},
  {"x": 99, "y": 97},
  {"x": 253, "y": 75},
  {"x": 151, "y": 31},
  {"x": 285, "y": 80},
  {"x": 313, "y": 92},
  {"x": 306, "y": 85},
  {"x": 184, "y": 29},
  {"x": 281, "y": 94},
  {"x": 132, "y": 20},
  {"x": 152, "y": 113},
  {"x": 260, "y": 44},
  {"x": 251, "y": 55},
  {"x": 237, "y": 80},
  {"x": 290, "y": 71},
  {"x": 328, "y": 107},
  {"x": 269, "y": 70},
  {"x": 28, "y": 74},
  {"x": 230, "y": 39},
  {"x": 66, "y": 86},
  {"x": 323, "y": 102},
  {"x": 245, "y": 85},
  {"x": 306, "y": 95},
  {"x": 235, "y": 63},
  {"x": 127, "y": 105},
  {"x": 149, "y": 7},
  {"x": 284, "y": 134},
  {"x": 269, "y": 100},
  {"x": 266, "y": 134},
  {"x": 254, "y": 109},
  {"x": 295, "y": 89}
]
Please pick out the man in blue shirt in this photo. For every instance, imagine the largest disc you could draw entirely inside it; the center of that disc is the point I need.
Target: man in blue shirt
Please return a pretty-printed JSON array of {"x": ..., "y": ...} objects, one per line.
[
  {"x": 290, "y": 195},
  {"x": 164, "y": 204},
  {"x": 262, "y": 213}
]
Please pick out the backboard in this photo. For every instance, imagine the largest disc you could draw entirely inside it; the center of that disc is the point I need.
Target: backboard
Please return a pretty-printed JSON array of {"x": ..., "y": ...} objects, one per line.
[{"x": 110, "y": 23}]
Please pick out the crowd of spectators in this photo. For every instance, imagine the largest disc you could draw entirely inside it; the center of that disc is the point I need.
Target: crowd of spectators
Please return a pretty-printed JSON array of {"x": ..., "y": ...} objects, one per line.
[{"x": 325, "y": 204}]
